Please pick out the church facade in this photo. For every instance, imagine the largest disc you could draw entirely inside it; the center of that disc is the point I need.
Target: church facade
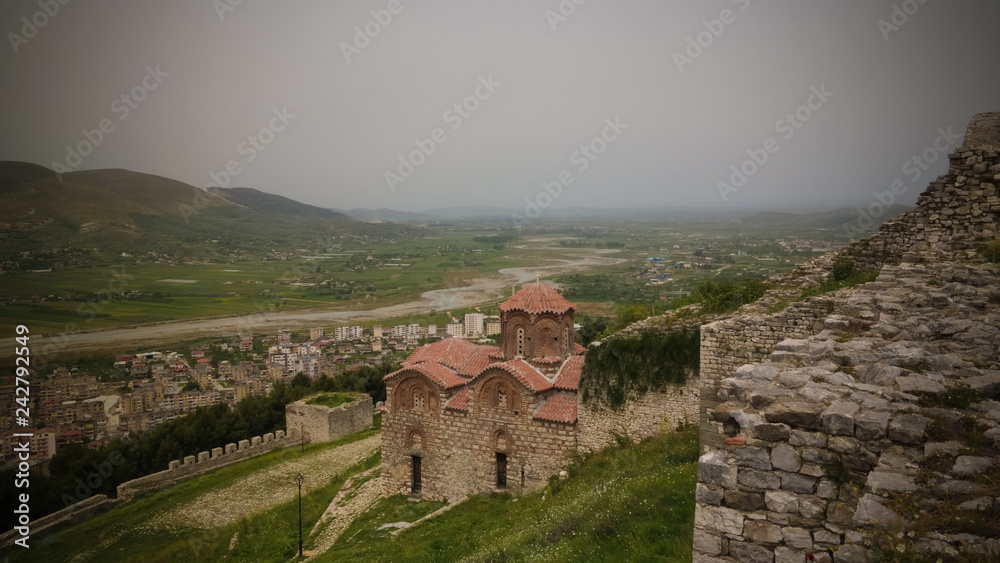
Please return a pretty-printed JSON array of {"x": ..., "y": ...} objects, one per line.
[{"x": 463, "y": 418}]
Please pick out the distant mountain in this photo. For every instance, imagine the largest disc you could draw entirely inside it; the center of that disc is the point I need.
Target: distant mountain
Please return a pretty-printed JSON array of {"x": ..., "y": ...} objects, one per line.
[
  {"x": 386, "y": 215},
  {"x": 120, "y": 209},
  {"x": 835, "y": 219}
]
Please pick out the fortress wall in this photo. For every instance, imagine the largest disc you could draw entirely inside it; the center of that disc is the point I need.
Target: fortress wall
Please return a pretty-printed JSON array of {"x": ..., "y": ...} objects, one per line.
[
  {"x": 193, "y": 466},
  {"x": 325, "y": 424}
]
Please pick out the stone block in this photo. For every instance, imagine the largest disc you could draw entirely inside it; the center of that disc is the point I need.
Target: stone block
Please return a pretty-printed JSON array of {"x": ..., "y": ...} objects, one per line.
[
  {"x": 230, "y": 448},
  {"x": 746, "y": 552},
  {"x": 202, "y": 456},
  {"x": 798, "y": 483},
  {"x": 780, "y": 501},
  {"x": 216, "y": 453},
  {"x": 759, "y": 479},
  {"x": 719, "y": 519},
  {"x": 708, "y": 494},
  {"x": 871, "y": 425},
  {"x": 174, "y": 464},
  {"x": 843, "y": 444},
  {"x": 787, "y": 555},
  {"x": 714, "y": 469},
  {"x": 189, "y": 460},
  {"x": 756, "y": 458},
  {"x": 244, "y": 444},
  {"x": 771, "y": 432},
  {"x": 808, "y": 439},
  {"x": 707, "y": 542},
  {"x": 880, "y": 482},
  {"x": 908, "y": 428},
  {"x": 838, "y": 418},
  {"x": 871, "y": 512},
  {"x": 279, "y": 435},
  {"x": 968, "y": 465},
  {"x": 798, "y": 538},
  {"x": 761, "y": 531},
  {"x": 744, "y": 501},
  {"x": 255, "y": 441},
  {"x": 795, "y": 414},
  {"x": 785, "y": 458}
]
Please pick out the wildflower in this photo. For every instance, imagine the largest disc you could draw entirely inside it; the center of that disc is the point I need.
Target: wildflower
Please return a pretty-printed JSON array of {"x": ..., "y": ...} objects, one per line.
[{"x": 900, "y": 548}]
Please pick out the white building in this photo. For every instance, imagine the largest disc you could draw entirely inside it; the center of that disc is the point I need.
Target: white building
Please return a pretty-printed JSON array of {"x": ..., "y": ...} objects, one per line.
[
  {"x": 345, "y": 333},
  {"x": 455, "y": 329},
  {"x": 492, "y": 325},
  {"x": 432, "y": 330},
  {"x": 377, "y": 331},
  {"x": 315, "y": 333},
  {"x": 473, "y": 325}
]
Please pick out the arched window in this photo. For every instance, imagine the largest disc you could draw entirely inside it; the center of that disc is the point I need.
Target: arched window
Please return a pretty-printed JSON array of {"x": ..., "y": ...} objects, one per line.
[
  {"x": 520, "y": 341},
  {"x": 566, "y": 342},
  {"x": 418, "y": 400},
  {"x": 501, "y": 398}
]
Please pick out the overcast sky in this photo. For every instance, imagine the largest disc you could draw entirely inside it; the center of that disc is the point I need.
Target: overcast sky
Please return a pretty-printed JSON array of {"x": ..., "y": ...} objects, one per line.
[{"x": 201, "y": 77}]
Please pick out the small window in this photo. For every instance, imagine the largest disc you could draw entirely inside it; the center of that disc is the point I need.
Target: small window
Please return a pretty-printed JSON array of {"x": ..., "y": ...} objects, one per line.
[
  {"x": 501, "y": 471},
  {"x": 416, "y": 485}
]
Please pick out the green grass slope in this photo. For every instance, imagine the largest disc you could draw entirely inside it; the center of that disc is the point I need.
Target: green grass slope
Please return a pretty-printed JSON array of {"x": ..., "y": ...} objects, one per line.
[
  {"x": 633, "y": 503},
  {"x": 121, "y": 209}
]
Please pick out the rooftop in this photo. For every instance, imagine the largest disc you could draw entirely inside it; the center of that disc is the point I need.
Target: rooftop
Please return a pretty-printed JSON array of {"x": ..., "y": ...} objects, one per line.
[{"x": 537, "y": 298}]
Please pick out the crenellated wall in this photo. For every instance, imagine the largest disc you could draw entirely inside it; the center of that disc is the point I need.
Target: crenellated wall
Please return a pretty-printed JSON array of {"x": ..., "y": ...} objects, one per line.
[{"x": 192, "y": 466}]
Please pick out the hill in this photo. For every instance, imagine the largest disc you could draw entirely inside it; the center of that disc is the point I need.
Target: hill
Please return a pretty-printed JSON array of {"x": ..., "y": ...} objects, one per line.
[
  {"x": 626, "y": 503},
  {"x": 124, "y": 210}
]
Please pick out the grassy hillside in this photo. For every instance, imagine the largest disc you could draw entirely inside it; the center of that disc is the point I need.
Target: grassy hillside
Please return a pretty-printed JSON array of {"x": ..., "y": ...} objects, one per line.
[
  {"x": 633, "y": 503},
  {"x": 125, "y": 210},
  {"x": 628, "y": 503}
]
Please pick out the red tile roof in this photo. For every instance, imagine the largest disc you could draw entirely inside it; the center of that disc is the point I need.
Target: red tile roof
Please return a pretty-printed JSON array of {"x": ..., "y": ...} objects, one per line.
[
  {"x": 537, "y": 298},
  {"x": 579, "y": 349},
  {"x": 452, "y": 352},
  {"x": 479, "y": 360},
  {"x": 569, "y": 376},
  {"x": 526, "y": 374},
  {"x": 460, "y": 402},
  {"x": 434, "y": 371},
  {"x": 559, "y": 408}
]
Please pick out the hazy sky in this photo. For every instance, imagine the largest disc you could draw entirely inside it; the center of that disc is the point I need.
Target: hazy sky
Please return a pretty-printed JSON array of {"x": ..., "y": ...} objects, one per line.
[{"x": 339, "y": 109}]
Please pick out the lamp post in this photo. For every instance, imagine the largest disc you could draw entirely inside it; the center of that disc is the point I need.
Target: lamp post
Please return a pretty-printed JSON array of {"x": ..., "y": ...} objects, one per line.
[
  {"x": 299, "y": 480},
  {"x": 302, "y": 438}
]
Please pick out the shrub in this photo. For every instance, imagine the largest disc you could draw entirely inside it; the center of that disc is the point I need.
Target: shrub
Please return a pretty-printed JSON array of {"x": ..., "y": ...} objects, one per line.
[{"x": 991, "y": 251}]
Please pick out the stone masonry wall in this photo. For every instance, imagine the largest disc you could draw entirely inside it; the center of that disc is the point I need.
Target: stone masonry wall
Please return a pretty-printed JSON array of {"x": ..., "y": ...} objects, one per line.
[
  {"x": 640, "y": 417},
  {"x": 319, "y": 423},
  {"x": 458, "y": 449},
  {"x": 827, "y": 425},
  {"x": 730, "y": 343},
  {"x": 193, "y": 466}
]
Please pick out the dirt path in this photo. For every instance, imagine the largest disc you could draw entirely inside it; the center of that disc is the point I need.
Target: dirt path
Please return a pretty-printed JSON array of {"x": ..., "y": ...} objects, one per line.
[
  {"x": 263, "y": 490},
  {"x": 349, "y": 504}
]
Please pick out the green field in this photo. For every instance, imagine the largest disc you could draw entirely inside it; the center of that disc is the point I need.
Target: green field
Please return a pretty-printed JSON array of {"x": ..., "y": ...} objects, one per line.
[{"x": 122, "y": 291}]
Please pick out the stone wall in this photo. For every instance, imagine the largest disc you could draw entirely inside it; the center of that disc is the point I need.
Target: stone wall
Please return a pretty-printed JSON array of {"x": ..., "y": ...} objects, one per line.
[
  {"x": 730, "y": 343},
  {"x": 640, "y": 417},
  {"x": 957, "y": 212},
  {"x": 319, "y": 423},
  {"x": 77, "y": 511},
  {"x": 192, "y": 466},
  {"x": 813, "y": 426},
  {"x": 457, "y": 448}
]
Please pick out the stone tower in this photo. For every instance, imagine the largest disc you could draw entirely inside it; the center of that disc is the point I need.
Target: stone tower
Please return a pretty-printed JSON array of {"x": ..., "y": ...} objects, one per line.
[{"x": 536, "y": 324}]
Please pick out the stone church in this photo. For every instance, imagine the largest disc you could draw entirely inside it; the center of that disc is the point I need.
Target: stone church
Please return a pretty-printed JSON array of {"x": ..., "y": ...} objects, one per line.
[{"x": 463, "y": 418}]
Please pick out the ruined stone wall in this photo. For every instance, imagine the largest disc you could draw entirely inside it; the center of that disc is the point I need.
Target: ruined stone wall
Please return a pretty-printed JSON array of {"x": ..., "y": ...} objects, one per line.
[
  {"x": 458, "y": 448},
  {"x": 74, "y": 512},
  {"x": 813, "y": 425},
  {"x": 325, "y": 424},
  {"x": 640, "y": 417},
  {"x": 193, "y": 466},
  {"x": 957, "y": 212},
  {"x": 730, "y": 343}
]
